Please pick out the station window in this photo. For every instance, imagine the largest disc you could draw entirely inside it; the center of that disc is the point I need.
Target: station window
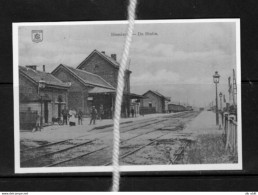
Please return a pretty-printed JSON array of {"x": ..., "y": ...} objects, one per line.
[{"x": 96, "y": 68}]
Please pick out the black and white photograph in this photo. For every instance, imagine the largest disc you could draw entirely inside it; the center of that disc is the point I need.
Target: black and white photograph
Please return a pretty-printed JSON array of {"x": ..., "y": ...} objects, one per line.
[{"x": 181, "y": 104}]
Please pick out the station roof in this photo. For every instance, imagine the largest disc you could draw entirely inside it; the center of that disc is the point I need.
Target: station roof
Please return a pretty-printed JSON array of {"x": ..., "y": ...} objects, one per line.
[
  {"x": 100, "y": 90},
  {"x": 109, "y": 59},
  {"x": 158, "y": 94},
  {"x": 35, "y": 76},
  {"x": 135, "y": 96},
  {"x": 85, "y": 77}
]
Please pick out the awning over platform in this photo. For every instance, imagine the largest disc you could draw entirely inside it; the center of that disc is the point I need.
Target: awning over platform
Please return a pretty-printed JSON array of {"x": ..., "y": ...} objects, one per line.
[
  {"x": 100, "y": 90},
  {"x": 134, "y": 96},
  {"x": 33, "y": 98}
]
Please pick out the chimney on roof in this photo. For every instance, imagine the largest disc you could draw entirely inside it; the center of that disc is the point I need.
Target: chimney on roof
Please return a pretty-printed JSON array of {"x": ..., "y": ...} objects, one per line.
[
  {"x": 113, "y": 56},
  {"x": 34, "y": 67},
  {"x": 44, "y": 68},
  {"x": 103, "y": 52}
]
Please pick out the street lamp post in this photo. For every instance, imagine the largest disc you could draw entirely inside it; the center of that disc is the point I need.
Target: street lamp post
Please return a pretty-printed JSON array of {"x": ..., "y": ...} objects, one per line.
[
  {"x": 42, "y": 85},
  {"x": 220, "y": 95},
  {"x": 216, "y": 81}
]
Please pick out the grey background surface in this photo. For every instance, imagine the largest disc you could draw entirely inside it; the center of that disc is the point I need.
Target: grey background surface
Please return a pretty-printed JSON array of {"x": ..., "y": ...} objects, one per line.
[{"x": 82, "y": 10}]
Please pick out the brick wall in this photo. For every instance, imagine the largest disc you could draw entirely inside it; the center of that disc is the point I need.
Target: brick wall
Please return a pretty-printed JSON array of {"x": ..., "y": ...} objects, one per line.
[
  {"x": 127, "y": 82},
  {"x": 65, "y": 76},
  {"x": 77, "y": 93},
  {"x": 97, "y": 65},
  {"x": 27, "y": 88},
  {"x": 154, "y": 100},
  {"x": 54, "y": 95},
  {"x": 30, "y": 90}
]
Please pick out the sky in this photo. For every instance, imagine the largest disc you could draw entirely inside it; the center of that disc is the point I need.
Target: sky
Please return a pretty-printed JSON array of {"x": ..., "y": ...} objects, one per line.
[{"x": 178, "y": 60}]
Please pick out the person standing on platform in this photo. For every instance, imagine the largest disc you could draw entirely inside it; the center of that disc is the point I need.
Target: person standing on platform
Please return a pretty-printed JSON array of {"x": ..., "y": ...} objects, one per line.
[
  {"x": 72, "y": 119},
  {"x": 132, "y": 112},
  {"x": 101, "y": 112},
  {"x": 93, "y": 115},
  {"x": 65, "y": 115},
  {"x": 112, "y": 112},
  {"x": 37, "y": 126},
  {"x": 80, "y": 114}
]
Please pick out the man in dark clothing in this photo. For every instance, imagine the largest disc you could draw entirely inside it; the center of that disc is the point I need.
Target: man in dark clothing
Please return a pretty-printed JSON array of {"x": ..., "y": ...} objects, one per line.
[
  {"x": 132, "y": 112},
  {"x": 65, "y": 114},
  {"x": 112, "y": 112},
  {"x": 80, "y": 117},
  {"x": 101, "y": 112},
  {"x": 128, "y": 113},
  {"x": 93, "y": 115},
  {"x": 37, "y": 126}
]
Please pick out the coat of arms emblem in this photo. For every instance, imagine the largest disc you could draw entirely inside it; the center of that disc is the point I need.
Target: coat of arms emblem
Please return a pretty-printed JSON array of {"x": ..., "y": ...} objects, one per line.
[{"x": 37, "y": 35}]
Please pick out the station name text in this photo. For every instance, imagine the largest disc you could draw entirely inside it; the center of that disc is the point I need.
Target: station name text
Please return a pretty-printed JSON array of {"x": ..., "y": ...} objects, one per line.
[{"x": 135, "y": 34}]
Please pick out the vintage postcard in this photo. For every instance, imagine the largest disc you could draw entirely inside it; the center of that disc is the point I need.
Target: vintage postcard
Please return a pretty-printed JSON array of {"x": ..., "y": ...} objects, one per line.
[{"x": 181, "y": 107}]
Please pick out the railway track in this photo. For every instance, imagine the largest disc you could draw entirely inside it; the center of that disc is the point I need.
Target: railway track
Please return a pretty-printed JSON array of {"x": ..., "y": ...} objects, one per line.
[
  {"x": 179, "y": 153},
  {"x": 91, "y": 157},
  {"x": 48, "y": 159},
  {"x": 39, "y": 158},
  {"x": 144, "y": 122},
  {"x": 68, "y": 144},
  {"x": 105, "y": 150},
  {"x": 139, "y": 148}
]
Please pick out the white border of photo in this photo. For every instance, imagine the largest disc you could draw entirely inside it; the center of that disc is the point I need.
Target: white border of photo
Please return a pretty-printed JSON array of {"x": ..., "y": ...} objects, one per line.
[{"x": 134, "y": 168}]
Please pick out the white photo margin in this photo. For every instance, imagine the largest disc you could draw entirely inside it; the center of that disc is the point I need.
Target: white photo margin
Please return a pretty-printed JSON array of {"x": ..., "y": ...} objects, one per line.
[{"x": 136, "y": 168}]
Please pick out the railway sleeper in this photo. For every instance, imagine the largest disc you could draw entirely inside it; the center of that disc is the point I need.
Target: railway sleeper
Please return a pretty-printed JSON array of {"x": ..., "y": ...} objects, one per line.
[{"x": 179, "y": 153}]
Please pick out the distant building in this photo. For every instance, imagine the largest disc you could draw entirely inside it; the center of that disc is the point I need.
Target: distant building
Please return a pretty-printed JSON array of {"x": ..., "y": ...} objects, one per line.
[
  {"x": 154, "y": 102},
  {"x": 49, "y": 100},
  {"x": 172, "y": 107},
  {"x": 166, "y": 104},
  {"x": 135, "y": 105},
  {"x": 189, "y": 108}
]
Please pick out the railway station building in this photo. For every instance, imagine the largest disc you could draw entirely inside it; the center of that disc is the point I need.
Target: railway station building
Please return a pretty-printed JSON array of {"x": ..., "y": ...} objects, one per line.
[
  {"x": 40, "y": 93},
  {"x": 83, "y": 83},
  {"x": 94, "y": 82},
  {"x": 153, "y": 102}
]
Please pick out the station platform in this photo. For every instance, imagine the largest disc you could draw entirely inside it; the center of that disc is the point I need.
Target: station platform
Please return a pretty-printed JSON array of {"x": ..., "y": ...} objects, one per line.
[
  {"x": 54, "y": 133},
  {"x": 204, "y": 123}
]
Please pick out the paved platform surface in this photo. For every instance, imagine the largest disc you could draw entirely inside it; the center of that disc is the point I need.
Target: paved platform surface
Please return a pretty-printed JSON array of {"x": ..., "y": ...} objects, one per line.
[
  {"x": 55, "y": 133},
  {"x": 204, "y": 123}
]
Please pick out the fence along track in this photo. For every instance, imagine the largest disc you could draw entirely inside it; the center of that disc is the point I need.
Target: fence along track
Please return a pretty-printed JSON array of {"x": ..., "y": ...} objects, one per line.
[{"x": 230, "y": 125}]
